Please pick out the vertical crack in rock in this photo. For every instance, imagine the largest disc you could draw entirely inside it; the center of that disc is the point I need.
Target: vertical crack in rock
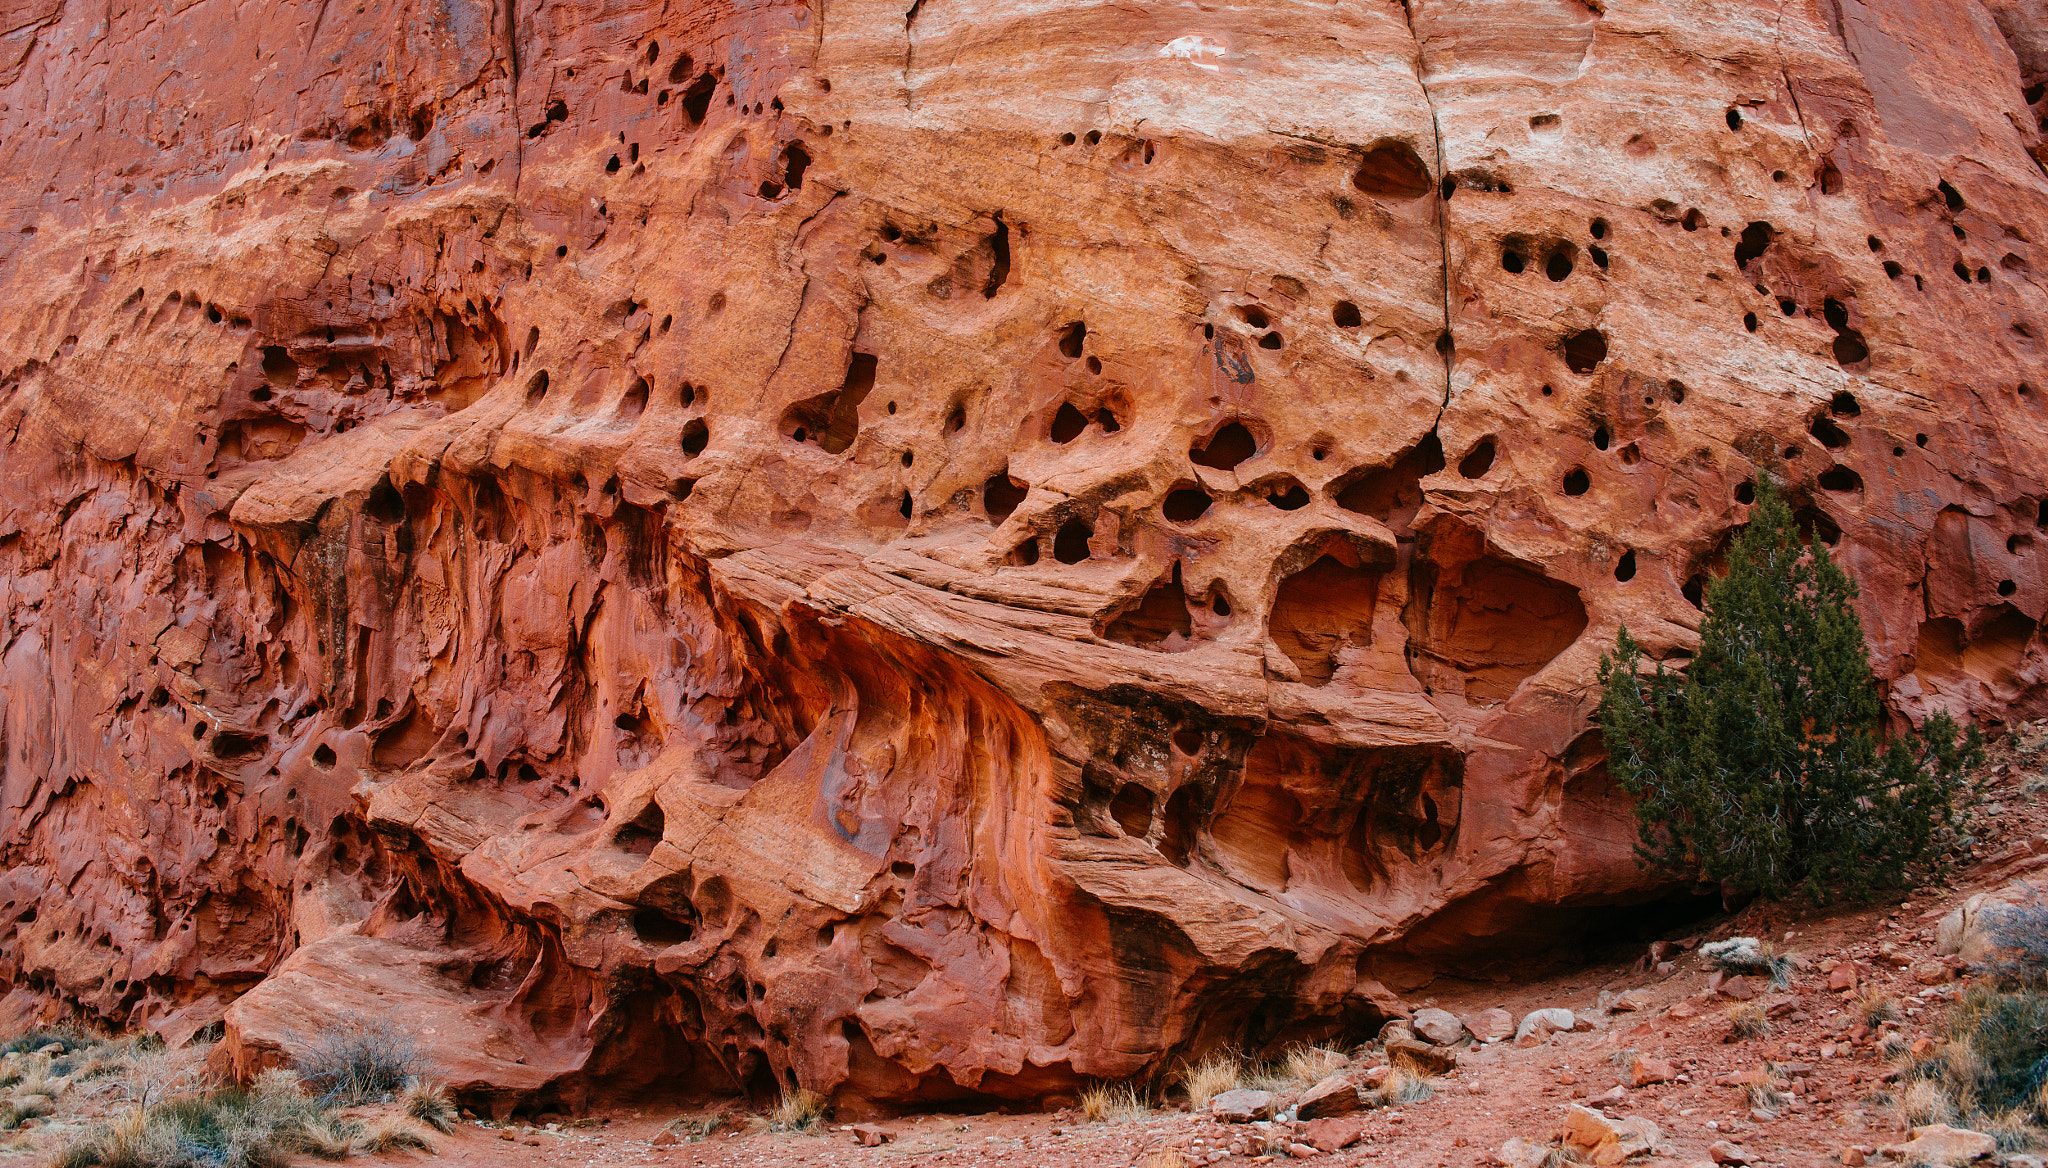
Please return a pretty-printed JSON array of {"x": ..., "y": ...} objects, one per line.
[{"x": 1447, "y": 344}]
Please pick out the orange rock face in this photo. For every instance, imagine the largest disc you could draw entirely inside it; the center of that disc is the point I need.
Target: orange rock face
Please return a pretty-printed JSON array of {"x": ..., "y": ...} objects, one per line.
[{"x": 940, "y": 553}]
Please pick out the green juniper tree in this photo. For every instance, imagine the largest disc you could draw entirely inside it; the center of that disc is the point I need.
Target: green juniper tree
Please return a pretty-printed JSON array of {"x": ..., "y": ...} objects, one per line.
[{"x": 1762, "y": 765}]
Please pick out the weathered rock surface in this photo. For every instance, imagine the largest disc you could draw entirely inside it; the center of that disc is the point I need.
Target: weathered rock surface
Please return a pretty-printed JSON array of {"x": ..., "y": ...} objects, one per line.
[{"x": 943, "y": 553}]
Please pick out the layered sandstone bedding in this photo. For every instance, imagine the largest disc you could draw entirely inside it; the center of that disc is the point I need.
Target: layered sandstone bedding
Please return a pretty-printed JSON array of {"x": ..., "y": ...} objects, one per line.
[{"x": 939, "y": 553}]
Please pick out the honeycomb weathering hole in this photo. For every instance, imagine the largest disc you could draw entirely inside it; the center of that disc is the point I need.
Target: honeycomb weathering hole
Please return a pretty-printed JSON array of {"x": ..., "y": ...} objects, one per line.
[
  {"x": 1478, "y": 461},
  {"x": 1185, "y": 504},
  {"x": 1491, "y": 624},
  {"x": 1160, "y": 619},
  {"x": 1070, "y": 545},
  {"x": 1230, "y": 446},
  {"x": 1392, "y": 170},
  {"x": 1323, "y": 611},
  {"x": 1584, "y": 350},
  {"x": 1000, "y": 496}
]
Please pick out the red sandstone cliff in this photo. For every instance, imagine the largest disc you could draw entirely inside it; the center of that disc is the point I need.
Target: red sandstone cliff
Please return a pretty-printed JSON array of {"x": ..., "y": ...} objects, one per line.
[{"x": 938, "y": 552}]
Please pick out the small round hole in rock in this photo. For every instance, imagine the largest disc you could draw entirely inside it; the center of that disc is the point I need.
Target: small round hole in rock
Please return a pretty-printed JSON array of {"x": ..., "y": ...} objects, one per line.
[
  {"x": 1584, "y": 350},
  {"x": 1345, "y": 314},
  {"x": 1478, "y": 461},
  {"x": 1734, "y": 118},
  {"x": 1625, "y": 570},
  {"x": 1185, "y": 504},
  {"x": 1270, "y": 341},
  {"x": 1602, "y": 438},
  {"x": 1514, "y": 261},
  {"x": 2007, "y": 588},
  {"x": 1094, "y": 364},
  {"x": 1067, "y": 424},
  {"x": 1071, "y": 339},
  {"x": 1557, "y": 267},
  {"x": 1599, "y": 256},
  {"x": 1577, "y": 482},
  {"x": 1749, "y": 321},
  {"x": 695, "y": 437},
  {"x": 1745, "y": 492}
]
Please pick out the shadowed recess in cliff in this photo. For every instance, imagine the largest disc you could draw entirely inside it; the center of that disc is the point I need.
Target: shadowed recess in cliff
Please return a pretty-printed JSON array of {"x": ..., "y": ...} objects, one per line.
[{"x": 1479, "y": 625}]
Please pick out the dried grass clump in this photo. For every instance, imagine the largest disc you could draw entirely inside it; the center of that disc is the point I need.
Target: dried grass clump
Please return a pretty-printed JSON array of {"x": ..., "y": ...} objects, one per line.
[
  {"x": 1308, "y": 1065},
  {"x": 392, "y": 1133},
  {"x": 1104, "y": 1102},
  {"x": 1403, "y": 1085},
  {"x": 1749, "y": 1021},
  {"x": 797, "y": 1111},
  {"x": 1221, "y": 1071},
  {"x": 429, "y": 1103},
  {"x": 695, "y": 1127},
  {"x": 1875, "y": 1008},
  {"x": 1164, "y": 1158}
]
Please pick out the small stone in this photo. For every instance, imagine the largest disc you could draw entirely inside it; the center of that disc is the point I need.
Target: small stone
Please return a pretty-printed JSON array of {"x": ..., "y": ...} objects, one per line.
[
  {"x": 1853, "y": 1157},
  {"x": 1440, "y": 1027},
  {"x": 1374, "y": 1076},
  {"x": 1242, "y": 1106},
  {"x": 1738, "y": 987},
  {"x": 1842, "y": 977},
  {"x": 1301, "y": 1151},
  {"x": 871, "y": 1135},
  {"x": 505, "y": 1135},
  {"x": 1684, "y": 1010},
  {"x": 1644, "y": 1070},
  {"x": 667, "y": 1139},
  {"x": 1929, "y": 973},
  {"x": 1522, "y": 1153},
  {"x": 1723, "y": 1152}
]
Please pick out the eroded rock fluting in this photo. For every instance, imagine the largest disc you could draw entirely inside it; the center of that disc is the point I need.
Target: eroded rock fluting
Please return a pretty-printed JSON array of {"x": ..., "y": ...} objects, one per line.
[{"x": 943, "y": 552}]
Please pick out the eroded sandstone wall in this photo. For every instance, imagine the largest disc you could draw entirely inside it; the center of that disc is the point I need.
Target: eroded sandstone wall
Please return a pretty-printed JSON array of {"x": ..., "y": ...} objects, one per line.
[{"x": 944, "y": 551}]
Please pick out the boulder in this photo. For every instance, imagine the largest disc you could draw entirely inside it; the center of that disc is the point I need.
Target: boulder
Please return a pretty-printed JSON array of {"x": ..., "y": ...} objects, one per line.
[
  {"x": 1491, "y": 1025},
  {"x": 1439, "y": 1027},
  {"x": 1938, "y": 1143},
  {"x": 1538, "y": 1025},
  {"x": 1243, "y": 1106},
  {"x": 1336, "y": 1095}
]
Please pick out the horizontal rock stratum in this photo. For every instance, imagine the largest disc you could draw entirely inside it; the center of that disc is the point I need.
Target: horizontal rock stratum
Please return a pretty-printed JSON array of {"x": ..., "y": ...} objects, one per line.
[{"x": 943, "y": 550}]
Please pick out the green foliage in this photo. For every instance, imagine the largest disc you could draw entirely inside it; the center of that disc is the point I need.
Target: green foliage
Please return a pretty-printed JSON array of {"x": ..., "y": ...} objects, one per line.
[{"x": 1762, "y": 765}]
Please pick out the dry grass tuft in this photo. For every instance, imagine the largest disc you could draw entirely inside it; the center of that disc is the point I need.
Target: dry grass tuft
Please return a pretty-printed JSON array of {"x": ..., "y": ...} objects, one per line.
[
  {"x": 797, "y": 1111},
  {"x": 1309, "y": 1065},
  {"x": 429, "y": 1103},
  {"x": 326, "y": 1137},
  {"x": 1874, "y": 1008},
  {"x": 1749, "y": 1021},
  {"x": 1403, "y": 1085},
  {"x": 1221, "y": 1071},
  {"x": 392, "y": 1133},
  {"x": 1104, "y": 1101},
  {"x": 1164, "y": 1158},
  {"x": 1923, "y": 1102}
]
